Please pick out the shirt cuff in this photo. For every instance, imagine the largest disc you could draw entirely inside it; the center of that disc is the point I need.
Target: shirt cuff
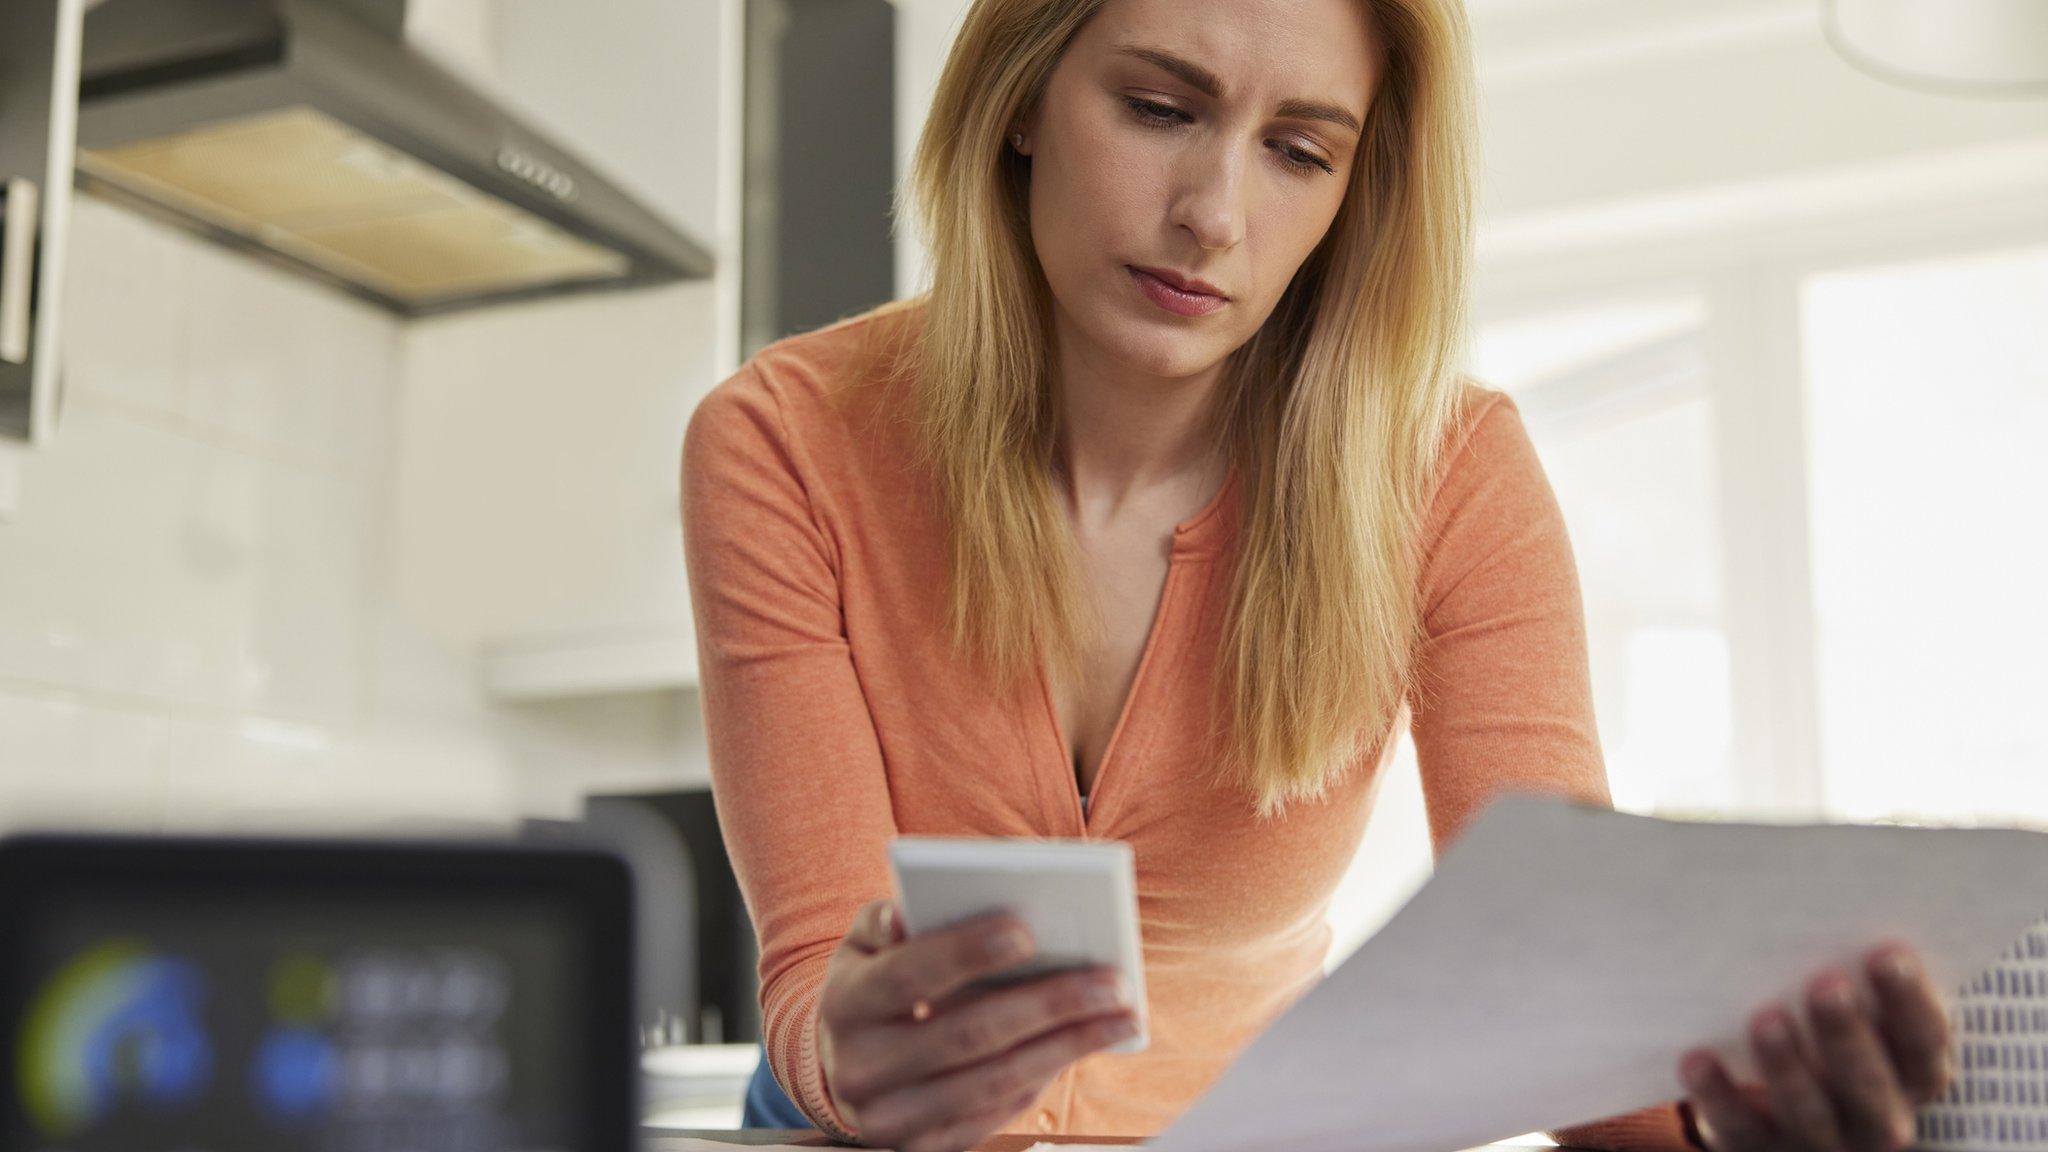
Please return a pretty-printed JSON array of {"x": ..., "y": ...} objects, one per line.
[
  {"x": 1660, "y": 1128},
  {"x": 811, "y": 1094}
]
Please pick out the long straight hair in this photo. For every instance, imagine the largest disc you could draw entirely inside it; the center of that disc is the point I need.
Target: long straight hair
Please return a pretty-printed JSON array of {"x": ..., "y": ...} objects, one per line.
[{"x": 1333, "y": 412}]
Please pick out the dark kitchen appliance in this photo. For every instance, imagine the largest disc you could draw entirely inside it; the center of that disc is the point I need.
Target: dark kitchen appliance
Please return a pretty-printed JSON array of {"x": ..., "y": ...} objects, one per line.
[
  {"x": 296, "y": 995},
  {"x": 698, "y": 963},
  {"x": 820, "y": 167}
]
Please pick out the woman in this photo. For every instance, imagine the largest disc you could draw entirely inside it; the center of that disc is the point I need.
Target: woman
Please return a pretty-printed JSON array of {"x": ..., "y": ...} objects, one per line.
[{"x": 1155, "y": 519}]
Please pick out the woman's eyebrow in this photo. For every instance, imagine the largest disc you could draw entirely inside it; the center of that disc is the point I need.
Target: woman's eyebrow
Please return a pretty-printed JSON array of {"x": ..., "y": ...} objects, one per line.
[{"x": 1210, "y": 85}]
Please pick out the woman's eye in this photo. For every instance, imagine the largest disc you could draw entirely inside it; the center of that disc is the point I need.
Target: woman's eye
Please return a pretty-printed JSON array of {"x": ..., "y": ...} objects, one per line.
[
  {"x": 1151, "y": 113},
  {"x": 1166, "y": 116},
  {"x": 1306, "y": 161}
]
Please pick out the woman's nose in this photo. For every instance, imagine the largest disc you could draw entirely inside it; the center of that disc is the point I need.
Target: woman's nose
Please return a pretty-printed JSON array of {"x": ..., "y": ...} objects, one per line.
[{"x": 1211, "y": 201}]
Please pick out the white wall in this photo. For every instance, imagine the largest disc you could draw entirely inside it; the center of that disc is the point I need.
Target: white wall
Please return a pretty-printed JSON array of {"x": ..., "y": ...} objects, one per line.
[
  {"x": 924, "y": 32},
  {"x": 536, "y": 466},
  {"x": 242, "y": 587},
  {"x": 1611, "y": 101},
  {"x": 195, "y": 625}
]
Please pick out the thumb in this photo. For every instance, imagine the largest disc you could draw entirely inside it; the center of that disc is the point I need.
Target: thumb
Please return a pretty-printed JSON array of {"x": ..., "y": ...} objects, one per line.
[{"x": 879, "y": 926}]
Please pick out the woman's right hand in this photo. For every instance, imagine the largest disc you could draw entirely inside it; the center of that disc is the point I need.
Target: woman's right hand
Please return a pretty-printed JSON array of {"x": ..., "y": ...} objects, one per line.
[{"x": 916, "y": 1061}]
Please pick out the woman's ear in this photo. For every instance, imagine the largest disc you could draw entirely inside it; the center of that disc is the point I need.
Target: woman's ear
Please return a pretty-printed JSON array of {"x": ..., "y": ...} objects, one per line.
[{"x": 1022, "y": 129}]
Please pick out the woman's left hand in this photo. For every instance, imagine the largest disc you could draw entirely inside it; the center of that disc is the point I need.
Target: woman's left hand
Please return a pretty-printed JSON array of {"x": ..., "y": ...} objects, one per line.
[{"x": 1853, "y": 1086}]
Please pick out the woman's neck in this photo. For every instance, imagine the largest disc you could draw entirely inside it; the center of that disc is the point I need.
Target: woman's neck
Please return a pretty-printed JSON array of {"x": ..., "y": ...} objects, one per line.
[{"x": 1127, "y": 437}]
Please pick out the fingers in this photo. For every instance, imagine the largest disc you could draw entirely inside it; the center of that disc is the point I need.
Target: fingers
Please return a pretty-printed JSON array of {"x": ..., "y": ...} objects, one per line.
[
  {"x": 1728, "y": 1121},
  {"x": 996, "y": 1021},
  {"x": 973, "y": 1130},
  {"x": 1853, "y": 1080},
  {"x": 1914, "y": 1023},
  {"x": 1799, "y": 1101},
  {"x": 988, "y": 1086},
  {"x": 931, "y": 965},
  {"x": 1869, "y": 1100}
]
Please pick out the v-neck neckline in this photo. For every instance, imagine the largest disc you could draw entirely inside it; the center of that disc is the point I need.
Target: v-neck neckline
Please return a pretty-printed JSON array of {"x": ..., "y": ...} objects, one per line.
[
  {"x": 1199, "y": 535},
  {"x": 1206, "y": 530},
  {"x": 1089, "y": 817}
]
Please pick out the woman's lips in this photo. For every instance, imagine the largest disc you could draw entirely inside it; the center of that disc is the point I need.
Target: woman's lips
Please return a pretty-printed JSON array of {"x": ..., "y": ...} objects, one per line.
[{"x": 1174, "y": 300}]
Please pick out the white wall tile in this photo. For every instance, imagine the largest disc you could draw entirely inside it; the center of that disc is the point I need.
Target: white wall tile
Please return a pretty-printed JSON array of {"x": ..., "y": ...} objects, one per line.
[
  {"x": 149, "y": 564},
  {"x": 118, "y": 576},
  {"x": 66, "y": 764},
  {"x": 302, "y": 636},
  {"x": 223, "y": 772},
  {"x": 125, "y": 313},
  {"x": 537, "y": 459},
  {"x": 563, "y": 750},
  {"x": 252, "y": 775},
  {"x": 285, "y": 362}
]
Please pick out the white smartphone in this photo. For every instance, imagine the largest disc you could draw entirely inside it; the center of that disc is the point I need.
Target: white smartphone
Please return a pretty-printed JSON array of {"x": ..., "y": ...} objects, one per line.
[{"x": 1080, "y": 898}]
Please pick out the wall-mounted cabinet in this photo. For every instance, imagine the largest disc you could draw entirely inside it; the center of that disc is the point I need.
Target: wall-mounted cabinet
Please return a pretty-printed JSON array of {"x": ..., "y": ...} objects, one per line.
[{"x": 39, "y": 57}]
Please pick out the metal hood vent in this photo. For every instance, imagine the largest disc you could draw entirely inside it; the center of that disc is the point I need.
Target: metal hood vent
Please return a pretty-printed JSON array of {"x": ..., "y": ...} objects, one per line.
[{"x": 306, "y": 131}]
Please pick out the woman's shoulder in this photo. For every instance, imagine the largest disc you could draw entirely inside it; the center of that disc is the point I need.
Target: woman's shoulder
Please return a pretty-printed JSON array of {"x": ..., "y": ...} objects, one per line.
[
  {"x": 827, "y": 371},
  {"x": 1486, "y": 466},
  {"x": 1496, "y": 546},
  {"x": 820, "y": 400},
  {"x": 1482, "y": 417}
]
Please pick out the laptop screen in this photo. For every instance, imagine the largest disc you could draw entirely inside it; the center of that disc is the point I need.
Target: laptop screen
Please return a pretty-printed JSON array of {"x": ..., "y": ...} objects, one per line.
[{"x": 288, "y": 996}]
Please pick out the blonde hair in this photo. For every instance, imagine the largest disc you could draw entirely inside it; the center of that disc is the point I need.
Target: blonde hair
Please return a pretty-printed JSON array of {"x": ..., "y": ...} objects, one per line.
[{"x": 1333, "y": 412}]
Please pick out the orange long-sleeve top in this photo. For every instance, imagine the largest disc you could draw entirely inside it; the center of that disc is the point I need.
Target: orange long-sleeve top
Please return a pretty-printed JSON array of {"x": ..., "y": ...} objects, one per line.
[{"x": 838, "y": 717}]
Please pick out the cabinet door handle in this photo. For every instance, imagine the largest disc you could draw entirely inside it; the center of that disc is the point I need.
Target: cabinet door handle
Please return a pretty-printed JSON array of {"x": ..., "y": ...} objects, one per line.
[{"x": 18, "y": 220}]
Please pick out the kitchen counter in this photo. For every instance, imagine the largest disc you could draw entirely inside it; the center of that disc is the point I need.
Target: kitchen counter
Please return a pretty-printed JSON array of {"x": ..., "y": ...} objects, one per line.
[{"x": 672, "y": 1139}]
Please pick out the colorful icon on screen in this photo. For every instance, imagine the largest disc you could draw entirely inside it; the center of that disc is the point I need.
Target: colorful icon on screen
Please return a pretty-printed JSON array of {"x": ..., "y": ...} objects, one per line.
[
  {"x": 297, "y": 1073},
  {"x": 116, "y": 1023},
  {"x": 303, "y": 989},
  {"x": 297, "y": 1070}
]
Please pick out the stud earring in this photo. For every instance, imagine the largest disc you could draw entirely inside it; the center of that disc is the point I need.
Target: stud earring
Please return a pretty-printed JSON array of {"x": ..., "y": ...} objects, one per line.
[{"x": 1017, "y": 141}]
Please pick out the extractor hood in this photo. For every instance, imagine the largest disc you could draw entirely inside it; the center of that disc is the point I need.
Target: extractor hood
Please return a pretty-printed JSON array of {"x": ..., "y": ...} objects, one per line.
[{"x": 309, "y": 133}]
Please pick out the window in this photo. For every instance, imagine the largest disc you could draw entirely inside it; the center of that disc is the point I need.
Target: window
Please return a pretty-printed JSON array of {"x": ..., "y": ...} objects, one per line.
[
  {"x": 1864, "y": 639},
  {"x": 1927, "y": 400},
  {"x": 1616, "y": 399}
]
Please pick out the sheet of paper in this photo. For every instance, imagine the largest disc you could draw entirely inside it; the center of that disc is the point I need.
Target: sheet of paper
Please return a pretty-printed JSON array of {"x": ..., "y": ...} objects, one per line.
[
  {"x": 1049, "y": 1146},
  {"x": 1562, "y": 957}
]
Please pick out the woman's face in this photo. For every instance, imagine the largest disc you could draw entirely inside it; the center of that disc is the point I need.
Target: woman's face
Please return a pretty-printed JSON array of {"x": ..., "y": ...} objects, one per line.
[{"x": 1208, "y": 140}]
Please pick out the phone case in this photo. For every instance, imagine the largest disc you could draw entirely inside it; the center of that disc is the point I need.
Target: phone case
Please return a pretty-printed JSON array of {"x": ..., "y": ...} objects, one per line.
[{"x": 1080, "y": 898}]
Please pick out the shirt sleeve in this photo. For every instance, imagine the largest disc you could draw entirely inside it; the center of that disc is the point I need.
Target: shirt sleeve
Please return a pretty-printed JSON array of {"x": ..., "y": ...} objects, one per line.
[
  {"x": 1503, "y": 697},
  {"x": 796, "y": 769}
]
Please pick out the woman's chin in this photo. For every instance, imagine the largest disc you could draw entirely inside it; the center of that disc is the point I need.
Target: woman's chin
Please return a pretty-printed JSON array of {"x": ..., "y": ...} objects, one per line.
[{"x": 1169, "y": 352}]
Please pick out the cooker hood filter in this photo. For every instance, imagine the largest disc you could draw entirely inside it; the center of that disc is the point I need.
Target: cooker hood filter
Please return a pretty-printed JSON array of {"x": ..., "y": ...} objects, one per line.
[{"x": 305, "y": 131}]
